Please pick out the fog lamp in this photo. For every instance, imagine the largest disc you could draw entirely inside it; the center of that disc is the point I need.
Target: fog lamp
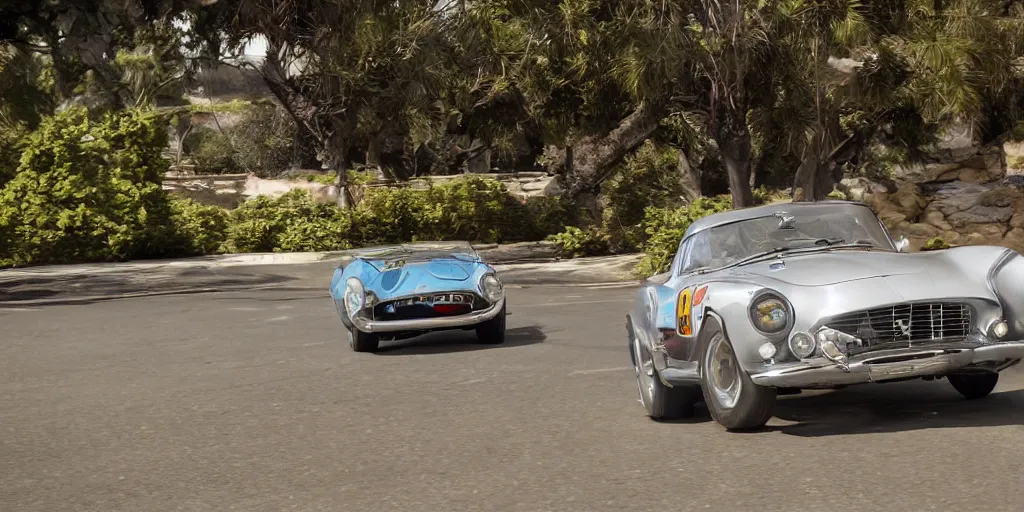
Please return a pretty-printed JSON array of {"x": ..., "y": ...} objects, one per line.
[
  {"x": 1000, "y": 329},
  {"x": 766, "y": 351},
  {"x": 801, "y": 345}
]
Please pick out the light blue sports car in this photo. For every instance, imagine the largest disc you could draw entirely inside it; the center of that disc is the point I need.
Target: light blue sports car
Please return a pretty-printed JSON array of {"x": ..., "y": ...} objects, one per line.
[{"x": 401, "y": 291}]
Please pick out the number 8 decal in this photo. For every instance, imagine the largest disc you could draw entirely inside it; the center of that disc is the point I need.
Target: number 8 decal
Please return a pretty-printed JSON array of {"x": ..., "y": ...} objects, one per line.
[{"x": 683, "y": 310}]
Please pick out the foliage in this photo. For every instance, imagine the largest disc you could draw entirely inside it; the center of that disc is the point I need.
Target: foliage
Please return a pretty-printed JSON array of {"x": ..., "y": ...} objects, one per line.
[
  {"x": 195, "y": 229},
  {"x": 10, "y": 153},
  {"x": 935, "y": 244},
  {"x": 264, "y": 141},
  {"x": 85, "y": 191},
  {"x": 648, "y": 178},
  {"x": 575, "y": 242},
  {"x": 292, "y": 222},
  {"x": 211, "y": 151},
  {"x": 666, "y": 226},
  {"x": 470, "y": 208}
]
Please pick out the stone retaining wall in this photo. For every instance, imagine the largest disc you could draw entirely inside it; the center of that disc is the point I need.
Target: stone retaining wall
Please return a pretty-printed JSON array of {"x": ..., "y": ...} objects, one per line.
[
  {"x": 229, "y": 190},
  {"x": 975, "y": 197}
]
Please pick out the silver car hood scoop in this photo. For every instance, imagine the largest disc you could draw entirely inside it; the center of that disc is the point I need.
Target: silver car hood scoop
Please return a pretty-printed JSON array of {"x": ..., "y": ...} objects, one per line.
[{"x": 832, "y": 267}]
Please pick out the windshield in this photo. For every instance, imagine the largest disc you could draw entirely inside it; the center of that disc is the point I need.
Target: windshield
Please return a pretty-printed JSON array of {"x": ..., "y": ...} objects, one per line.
[{"x": 731, "y": 243}]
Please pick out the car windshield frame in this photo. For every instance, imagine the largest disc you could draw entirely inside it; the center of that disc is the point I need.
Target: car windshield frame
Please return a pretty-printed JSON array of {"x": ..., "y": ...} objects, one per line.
[{"x": 786, "y": 232}]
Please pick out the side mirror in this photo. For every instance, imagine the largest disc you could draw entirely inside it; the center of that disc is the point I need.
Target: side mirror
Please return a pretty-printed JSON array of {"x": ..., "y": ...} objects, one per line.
[{"x": 902, "y": 244}]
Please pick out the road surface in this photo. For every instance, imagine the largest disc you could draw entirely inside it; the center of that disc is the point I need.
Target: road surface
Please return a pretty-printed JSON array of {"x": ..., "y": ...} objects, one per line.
[{"x": 253, "y": 401}]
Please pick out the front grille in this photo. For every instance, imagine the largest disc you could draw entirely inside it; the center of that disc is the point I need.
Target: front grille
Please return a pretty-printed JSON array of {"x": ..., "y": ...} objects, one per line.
[
  {"x": 907, "y": 323},
  {"x": 422, "y": 306}
]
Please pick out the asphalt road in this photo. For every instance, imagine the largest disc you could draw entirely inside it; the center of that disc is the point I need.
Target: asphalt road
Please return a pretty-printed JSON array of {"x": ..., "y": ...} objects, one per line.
[{"x": 253, "y": 401}]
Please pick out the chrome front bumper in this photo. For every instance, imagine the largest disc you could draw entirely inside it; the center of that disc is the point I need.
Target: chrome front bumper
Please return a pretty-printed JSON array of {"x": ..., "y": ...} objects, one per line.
[
  {"x": 426, "y": 324},
  {"x": 889, "y": 365}
]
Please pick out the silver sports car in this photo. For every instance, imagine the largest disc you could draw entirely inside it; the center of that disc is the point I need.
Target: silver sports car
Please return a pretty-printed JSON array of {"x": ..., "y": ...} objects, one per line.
[{"x": 783, "y": 297}]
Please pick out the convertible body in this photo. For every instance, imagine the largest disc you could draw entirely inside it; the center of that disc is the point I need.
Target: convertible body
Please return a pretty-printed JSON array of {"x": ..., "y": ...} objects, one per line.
[
  {"x": 792, "y": 296},
  {"x": 406, "y": 290}
]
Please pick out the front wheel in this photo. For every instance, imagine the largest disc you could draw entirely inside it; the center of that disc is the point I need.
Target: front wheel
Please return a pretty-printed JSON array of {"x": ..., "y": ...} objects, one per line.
[
  {"x": 492, "y": 332},
  {"x": 661, "y": 401},
  {"x": 733, "y": 399},
  {"x": 974, "y": 385},
  {"x": 362, "y": 341}
]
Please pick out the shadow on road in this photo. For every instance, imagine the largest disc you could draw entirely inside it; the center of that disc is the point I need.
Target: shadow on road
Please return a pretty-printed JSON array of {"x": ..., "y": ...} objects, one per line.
[
  {"x": 458, "y": 341},
  {"x": 61, "y": 289},
  {"x": 884, "y": 408},
  {"x": 896, "y": 408}
]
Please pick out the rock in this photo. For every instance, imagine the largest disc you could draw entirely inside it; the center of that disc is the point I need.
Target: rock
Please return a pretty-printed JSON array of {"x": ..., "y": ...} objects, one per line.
[
  {"x": 908, "y": 198},
  {"x": 935, "y": 218},
  {"x": 534, "y": 186},
  {"x": 922, "y": 230},
  {"x": 951, "y": 237},
  {"x": 861, "y": 189},
  {"x": 1017, "y": 221},
  {"x": 1014, "y": 153},
  {"x": 891, "y": 218},
  {"x": 988, "y": 231},
  {"x": 961, "y": 204},
  {"x": 1002, "y": 196},
  {"x": 927, "y": 173},
  {"x": 1014, "y": 239},
  {"x": 980, "y": 215}
]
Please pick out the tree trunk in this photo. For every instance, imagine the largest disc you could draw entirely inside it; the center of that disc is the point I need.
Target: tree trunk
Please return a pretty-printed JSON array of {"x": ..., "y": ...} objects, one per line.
[
  {"x": 689, "y": 178},
  {"x": 733, "y": 140},
  {"x": 806, "y": 181},
  {"x": 593, "y": 157}
]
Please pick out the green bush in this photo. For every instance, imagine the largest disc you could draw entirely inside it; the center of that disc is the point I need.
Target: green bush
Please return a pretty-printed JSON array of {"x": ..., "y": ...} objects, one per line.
[
  {"x": 10, "y": 153},
  {"x": 666, "y": 226},
  {"x": 292, "y": 222},
  {"x": 471, "y": 208},
  {"x": 86, "y": 191},
  {"x": 195, "y": 229},
  {"x": 575, "y": 242},
  {"x": 211, "y": 151},
  {"x": 935, "y": 244}
]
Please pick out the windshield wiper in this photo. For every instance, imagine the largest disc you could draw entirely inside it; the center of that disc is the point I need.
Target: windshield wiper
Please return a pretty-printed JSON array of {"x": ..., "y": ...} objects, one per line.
[{"x": 760, "y": 255}]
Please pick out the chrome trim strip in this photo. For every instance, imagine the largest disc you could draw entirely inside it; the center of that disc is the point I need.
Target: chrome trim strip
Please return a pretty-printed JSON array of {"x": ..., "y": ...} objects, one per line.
[
  {"x": 881, "y": 366},
  {"x": 422, "y": 324}
]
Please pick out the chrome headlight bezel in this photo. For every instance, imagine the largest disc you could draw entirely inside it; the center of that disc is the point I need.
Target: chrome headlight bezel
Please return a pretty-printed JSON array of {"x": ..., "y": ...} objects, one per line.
[
  {"x": 784, "y": 318},
  {"x": 355, "y": 295},
  {"x": 491, "y": 287}
]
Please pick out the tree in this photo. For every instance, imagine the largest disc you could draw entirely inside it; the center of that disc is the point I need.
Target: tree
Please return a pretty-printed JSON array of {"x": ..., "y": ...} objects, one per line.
[
  {"x": 339, "y": 66},
  {"x": 126, "y": 50}
]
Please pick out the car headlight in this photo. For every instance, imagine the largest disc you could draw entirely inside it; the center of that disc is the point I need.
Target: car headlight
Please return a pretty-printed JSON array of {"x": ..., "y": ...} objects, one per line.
[
  {"x": 769, "y": 314},
  {"x": 355, "y": 296},
  {"x": 491, "y": 287}
]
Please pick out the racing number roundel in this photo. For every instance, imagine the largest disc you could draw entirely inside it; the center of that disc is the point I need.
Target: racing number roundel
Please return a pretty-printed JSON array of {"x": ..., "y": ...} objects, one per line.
[{"x": 684, "y": 307}]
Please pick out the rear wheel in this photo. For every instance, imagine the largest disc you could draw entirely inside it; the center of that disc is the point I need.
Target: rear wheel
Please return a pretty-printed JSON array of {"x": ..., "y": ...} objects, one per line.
[
  {"x": 733, "y": 399},
  {"x": 661, "y": 401},
  {"x": 492, "y": 332},
  {"x": 974, "y": 385},
  {"x": 362, "y": 341}
]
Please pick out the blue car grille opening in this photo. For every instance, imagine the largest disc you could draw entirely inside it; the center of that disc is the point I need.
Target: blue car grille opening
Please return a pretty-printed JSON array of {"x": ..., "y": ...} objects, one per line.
[
  {"x": 907, "y": 323},
  {"x": 433, "y": 305}
]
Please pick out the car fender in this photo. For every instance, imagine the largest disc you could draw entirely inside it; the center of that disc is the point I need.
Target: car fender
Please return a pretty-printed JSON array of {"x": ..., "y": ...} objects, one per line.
[
  {"x": 726, "y": 303},
  {"x": 1006, "y": 278}
]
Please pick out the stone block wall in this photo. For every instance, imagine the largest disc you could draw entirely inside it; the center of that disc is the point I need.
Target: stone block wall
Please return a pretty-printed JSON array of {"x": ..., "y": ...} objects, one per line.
[
  {"x": 975, "y": 197},
  {"x": 231, "y": 190}
]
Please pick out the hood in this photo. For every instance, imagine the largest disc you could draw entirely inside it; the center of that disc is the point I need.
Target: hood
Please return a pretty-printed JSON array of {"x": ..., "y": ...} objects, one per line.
[
  {"x": 832, "y": 267},
  {"x": 400, "y": 278}
]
